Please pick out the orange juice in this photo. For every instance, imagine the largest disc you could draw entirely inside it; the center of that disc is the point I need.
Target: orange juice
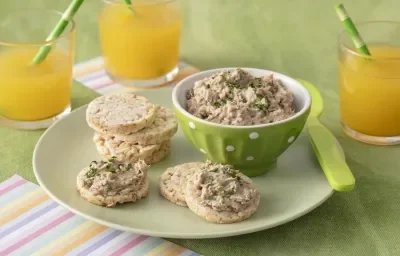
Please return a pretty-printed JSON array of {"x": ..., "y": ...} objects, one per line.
[
  {"x": 34, "y": 92},
  {"x": 370, "y": 91},
  {"x": 143, "y": 44}
]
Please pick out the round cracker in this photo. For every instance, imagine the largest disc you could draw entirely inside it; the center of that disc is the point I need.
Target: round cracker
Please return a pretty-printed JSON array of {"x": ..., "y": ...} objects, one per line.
[
  {"x": 121, "y": 113},
  {"x": 193, "y": 201},
  {"x": 163, "y": 128},
  {"x": 172, "y": 183},
  {"x": 159, "y": 155},
  {"x": 128, "y": 152},
  {"x": 110, "y": 200},
  {"x": 123, "y": 151}
]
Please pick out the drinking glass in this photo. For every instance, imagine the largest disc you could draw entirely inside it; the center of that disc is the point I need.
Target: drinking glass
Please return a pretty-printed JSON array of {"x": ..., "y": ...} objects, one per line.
[
  {"x": 140, "y": 42},
  {"x": 370, "y": 85},
  {"x": 34, "y": 94}
]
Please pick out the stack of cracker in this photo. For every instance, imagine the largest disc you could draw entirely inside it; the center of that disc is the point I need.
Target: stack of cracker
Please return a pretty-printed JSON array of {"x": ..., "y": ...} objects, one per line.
[{"x": 129, "y": 127}]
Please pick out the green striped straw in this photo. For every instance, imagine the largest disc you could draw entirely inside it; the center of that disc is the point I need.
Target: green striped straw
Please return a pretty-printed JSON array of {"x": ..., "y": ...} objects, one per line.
[
  {"x": 58, "y": 30},
  {"x": 352, "y": 30},
  {"x": 129, "y": 4}
]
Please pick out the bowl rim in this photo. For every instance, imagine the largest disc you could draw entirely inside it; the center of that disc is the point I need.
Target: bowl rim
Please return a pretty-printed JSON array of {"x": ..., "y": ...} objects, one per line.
[{"x": 181, "y": 84}]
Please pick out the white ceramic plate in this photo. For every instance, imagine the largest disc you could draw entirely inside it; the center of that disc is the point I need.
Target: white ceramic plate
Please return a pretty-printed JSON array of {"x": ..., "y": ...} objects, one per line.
[{"x": 295, "y": 188}]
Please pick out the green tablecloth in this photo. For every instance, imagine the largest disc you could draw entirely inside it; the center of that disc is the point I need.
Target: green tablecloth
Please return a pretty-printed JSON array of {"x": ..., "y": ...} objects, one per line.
[{"x": 297, "y": 38}]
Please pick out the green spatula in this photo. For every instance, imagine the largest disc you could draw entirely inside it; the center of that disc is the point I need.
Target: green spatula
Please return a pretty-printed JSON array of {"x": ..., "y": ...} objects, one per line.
[{"x": 325, "y": 146}]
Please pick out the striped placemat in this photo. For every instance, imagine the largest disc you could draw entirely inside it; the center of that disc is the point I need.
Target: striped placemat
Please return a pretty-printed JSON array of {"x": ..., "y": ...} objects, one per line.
[
  {"x": 92, "y": 74},
  {"x": 33, "y": 224}
]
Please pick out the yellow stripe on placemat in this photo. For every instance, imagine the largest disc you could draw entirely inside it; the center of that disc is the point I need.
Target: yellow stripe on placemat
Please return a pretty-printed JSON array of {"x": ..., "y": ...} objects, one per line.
[
  {"x": 79, "y": 236},
  {"x": 174, "y": 250},
  {"x": 97, "y": 230},
  {"x": 93, "y": 67},
  {"x": 185, "y": 72},
  {"x": 22, "y": 205},
  {"x": 159, "y": 249}
]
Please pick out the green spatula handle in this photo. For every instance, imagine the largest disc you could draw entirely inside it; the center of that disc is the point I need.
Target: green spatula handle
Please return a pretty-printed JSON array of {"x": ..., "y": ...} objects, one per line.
[{"x": 329, "y": 156}]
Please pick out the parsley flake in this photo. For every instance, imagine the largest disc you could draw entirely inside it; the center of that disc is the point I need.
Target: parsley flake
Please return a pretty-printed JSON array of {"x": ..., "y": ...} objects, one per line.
[
  {"x": 91, "y": 173},
  {"x": 110, "y": 169},
  {"x": 259, "y": 106},
  {"x": 112, "y": 159}
]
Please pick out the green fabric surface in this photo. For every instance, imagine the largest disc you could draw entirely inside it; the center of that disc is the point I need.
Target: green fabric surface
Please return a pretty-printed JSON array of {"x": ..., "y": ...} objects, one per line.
[{"x": 297, "y": 38}]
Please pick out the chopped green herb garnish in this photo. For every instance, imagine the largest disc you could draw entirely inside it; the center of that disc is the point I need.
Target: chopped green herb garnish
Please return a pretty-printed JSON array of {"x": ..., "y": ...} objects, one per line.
[
  {"x": 112, "y": 159},
  {"x": 231, "y": 173},
  {"x": 110, "y": 169},
  {"x": 129, "y": 166},
  {"x": 258, "y": 106},
  {"x": 233, "y": 85},
  {"x": 260, "y": 96},
  {"x": 217, "y": 104},
  {"x": 91, "y": 173}
]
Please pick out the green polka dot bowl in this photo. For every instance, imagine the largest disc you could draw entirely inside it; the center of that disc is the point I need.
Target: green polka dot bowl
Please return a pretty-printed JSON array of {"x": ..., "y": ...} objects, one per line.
[{"x": 255, "y": 149}]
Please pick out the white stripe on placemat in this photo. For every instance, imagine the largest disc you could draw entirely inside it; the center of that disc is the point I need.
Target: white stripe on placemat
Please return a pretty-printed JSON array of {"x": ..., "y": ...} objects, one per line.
[
  {"x": 114, "y": 244},
  {"x": 34, "y": 225}
]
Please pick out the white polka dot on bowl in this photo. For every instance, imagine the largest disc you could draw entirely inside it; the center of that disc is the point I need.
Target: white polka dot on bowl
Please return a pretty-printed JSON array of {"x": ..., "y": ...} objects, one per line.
[
  {"x": 192, "y": 125},
  {"x": 230, "y": 148},
  {"x": 203, "y": 151},
  {"x": 249, "y": 158},
  {"x": 254, "y": 135},
  {"x": 291, "y": 139}
]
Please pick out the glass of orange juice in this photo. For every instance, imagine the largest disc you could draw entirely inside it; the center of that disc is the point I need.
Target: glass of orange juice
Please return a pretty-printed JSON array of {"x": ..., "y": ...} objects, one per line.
[
  {"x": 140, "y": 42},
  {"x": 370, "y": 85},
  {"x": 34, "y": 95}
]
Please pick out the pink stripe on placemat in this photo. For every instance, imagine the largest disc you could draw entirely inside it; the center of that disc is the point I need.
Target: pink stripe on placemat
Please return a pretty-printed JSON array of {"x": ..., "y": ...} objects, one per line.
[
  {"x": 12, "y": 186},
  {"x": 101, "y": 86},
  {"x": 11, "y": 180},
  {"x": 37, "y": 233},
  {"x": 27, "y": 220},
  {"x": 129, "y": 245},
  {"x": 92, "y": 76}
]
